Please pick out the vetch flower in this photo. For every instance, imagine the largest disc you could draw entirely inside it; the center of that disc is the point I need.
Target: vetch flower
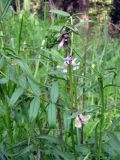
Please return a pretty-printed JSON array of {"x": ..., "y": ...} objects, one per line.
[
  {"x": 64, "y": 42},
  {"x": 69, "y": 60},
  {"x": 81, "y": 119}
]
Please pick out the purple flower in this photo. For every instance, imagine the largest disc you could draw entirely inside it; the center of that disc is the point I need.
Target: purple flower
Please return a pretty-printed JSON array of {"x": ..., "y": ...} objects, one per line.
[
  {"x": 64, "y": 42},
  {"x": 69, "y": 60}
]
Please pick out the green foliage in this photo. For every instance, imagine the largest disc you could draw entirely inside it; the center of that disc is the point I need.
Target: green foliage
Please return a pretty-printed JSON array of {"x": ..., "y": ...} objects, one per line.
[{"x": 39, "y": 103}]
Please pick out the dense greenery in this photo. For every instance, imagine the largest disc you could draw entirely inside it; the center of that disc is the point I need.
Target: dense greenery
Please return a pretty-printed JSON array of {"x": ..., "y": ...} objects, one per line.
[{"x": 43, "y": 93}]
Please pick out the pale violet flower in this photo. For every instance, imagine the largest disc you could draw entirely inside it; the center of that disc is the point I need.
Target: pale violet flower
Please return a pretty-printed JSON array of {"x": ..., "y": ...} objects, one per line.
[
  {"x": 81, "y": 119},
  {"x": 69, "y": 60}
]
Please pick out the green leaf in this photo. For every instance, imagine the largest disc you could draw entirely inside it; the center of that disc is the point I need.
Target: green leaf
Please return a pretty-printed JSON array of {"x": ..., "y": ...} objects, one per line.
[
  {"x": 2, "y": 62},
  {"x": 59, "y": 12},
  {"x": 22, "y": 82},
  {"x": 34, "y": 108},
  {"x": 4, "y": 80},
  {"x": 17, "y": 93},
  {"x": 67, "y": 121},
  {"x": 8, "y": 2},
  {"x": 113, "y": 144},
  {"x": 35, "y": 88},
  {"x": 81, "y": 24},
  {"x": 52, "y": 115},
  {"x": 25, "y": 68},
  {"x": 12, "y": 73},
  {"x": 54, "y": 93}
]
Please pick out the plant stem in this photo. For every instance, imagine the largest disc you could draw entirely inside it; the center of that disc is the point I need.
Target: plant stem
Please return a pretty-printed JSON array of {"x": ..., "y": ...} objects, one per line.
[
  {"x": 84, "y": 80},
  {"x": 19, "y": 36},
  {"x": 71, "y": 47},
  {"x": 60, "y": 123},
  {"x": 100, "y": 80},
  {"x": 71, "y": 93}
]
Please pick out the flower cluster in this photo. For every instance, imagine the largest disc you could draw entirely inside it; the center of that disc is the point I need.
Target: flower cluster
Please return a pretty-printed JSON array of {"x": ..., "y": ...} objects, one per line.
[{"x": 69, "y": 60}]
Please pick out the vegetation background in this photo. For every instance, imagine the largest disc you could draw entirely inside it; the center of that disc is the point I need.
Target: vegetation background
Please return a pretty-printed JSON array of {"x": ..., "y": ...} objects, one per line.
[{"x": 45, "y": 113}]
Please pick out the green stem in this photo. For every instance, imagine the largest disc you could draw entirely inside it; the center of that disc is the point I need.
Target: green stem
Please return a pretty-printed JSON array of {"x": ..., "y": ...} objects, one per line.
[
  {"x": 71, "y": 92},
  {"x": 71, "y": 48},
  {"x": 100, "y": 80},
  {"x": 38, "y": 61},
  {"x": 71, "y": 86},
  {"x": 84, "y": 80},
  {"x": 19, "y": 36},
  {"x": 37, "y": 66}
]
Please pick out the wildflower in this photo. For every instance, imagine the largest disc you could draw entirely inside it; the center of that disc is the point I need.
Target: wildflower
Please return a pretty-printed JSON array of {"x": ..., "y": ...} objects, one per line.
[
  {"x": 64, "y": 42},
  {"x": 81, "y": 119},
  {"x": 69, "y": 60}
]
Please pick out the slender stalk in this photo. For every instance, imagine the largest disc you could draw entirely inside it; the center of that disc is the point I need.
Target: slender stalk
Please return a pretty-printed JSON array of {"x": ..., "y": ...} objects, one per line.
[
  {"x": 71, "y": 92},
  {"x": 84, "y": 79},
  {"x": 20, "y": 33},
  {"x": 71, "y": 47},
  {"x": 60, "y": 122},
  {"x": 38, "y": 61},
  {"x": 100, "y": 80}
]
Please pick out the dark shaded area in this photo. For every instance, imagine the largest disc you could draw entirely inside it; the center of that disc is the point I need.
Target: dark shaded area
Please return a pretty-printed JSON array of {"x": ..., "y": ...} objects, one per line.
[
  {"x": 15, "y": 4},
  {"x": 114, "y": 26},
  {"x": 71, "y": 6},
  {"x": 115, "y": 12}
]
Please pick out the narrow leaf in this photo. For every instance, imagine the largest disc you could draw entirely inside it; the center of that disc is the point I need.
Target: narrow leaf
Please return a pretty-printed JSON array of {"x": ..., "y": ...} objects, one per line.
[
  {"x": 22, "y": 82},
  {"x": 35, "y": 88},
  {"x": 52, "y": 115},
  {"x": 54, "y": 93},
  {"x": 34, "y": 108},
  {"x": 17, "y": 93},
  {"x": 4, "y": 80},
  {"x": 59, "y": 12}
]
